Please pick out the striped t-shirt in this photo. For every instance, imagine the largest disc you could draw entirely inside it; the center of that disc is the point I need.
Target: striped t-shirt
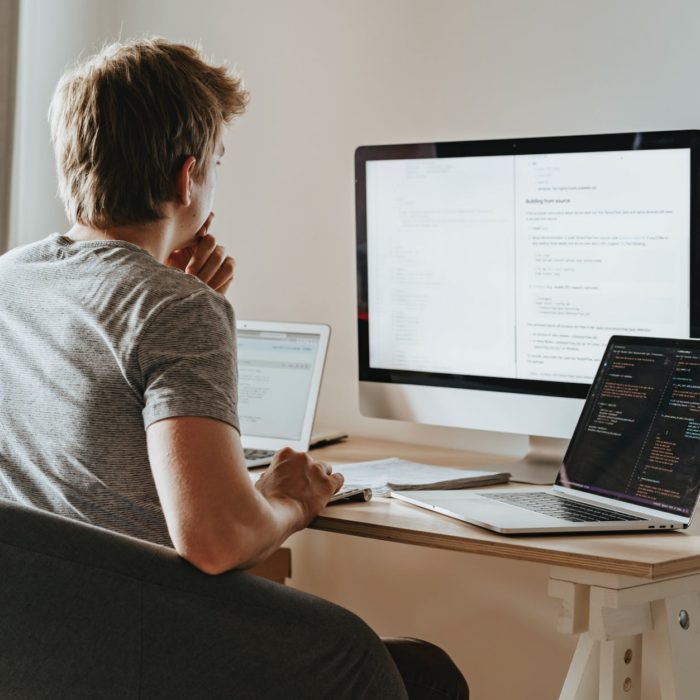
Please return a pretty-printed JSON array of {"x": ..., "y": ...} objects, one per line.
[{"x": 98, "y": 340}]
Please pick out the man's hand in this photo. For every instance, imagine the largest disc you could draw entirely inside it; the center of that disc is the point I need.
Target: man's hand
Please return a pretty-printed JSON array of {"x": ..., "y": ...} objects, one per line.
[
  {"x": 295, "y": 476},
  {"x": 206, "y": 260}
]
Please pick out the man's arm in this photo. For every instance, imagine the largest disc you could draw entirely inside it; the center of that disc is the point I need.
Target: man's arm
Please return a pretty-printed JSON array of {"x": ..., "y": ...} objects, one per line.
[{"x": 216, "y": 518}]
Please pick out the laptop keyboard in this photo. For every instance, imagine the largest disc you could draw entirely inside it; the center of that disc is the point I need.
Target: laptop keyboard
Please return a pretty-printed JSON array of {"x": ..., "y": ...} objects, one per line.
[
  {"x": 561, "y": 508},
  {"x": 258, "y": 454}
]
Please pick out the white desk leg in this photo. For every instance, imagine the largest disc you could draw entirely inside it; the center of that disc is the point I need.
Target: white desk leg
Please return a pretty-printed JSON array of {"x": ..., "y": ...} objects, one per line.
[
  {"x": 677, "y": 632},
  {"x": 621, "y": 668},
  {"x": 612, "y": 615},
  {"x": 582, "y": 680},
  {"x": 605, "y": 670}
]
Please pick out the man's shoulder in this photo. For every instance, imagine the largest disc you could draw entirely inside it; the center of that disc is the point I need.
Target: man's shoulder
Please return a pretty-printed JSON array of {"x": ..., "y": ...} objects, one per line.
[
  {"x": 142, "y": 302},
  {"x": 154, "y": 286},
  {"x": 116, "y": 278},
  {"x": 26, "y": 251}
]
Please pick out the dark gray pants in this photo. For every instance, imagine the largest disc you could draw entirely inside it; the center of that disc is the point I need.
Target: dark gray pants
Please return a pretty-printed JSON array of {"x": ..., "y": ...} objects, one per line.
[{"x": 426, "y": 670}]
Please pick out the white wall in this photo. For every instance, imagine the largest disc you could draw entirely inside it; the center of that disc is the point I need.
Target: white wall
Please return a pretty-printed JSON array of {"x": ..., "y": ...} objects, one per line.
[
  {"x": 53, "y": 35},
  {"x": 326, "y": 76}
]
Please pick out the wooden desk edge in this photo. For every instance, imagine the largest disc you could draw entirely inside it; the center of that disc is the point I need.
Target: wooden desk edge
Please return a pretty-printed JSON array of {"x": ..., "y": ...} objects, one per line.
[{"x": 506, "y": 549}]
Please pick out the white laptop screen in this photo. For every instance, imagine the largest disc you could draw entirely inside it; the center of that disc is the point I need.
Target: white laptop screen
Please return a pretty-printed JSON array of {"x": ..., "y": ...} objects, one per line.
[
  {"x": 275, "y": 373},
  {"x": 638, "y": 438}
]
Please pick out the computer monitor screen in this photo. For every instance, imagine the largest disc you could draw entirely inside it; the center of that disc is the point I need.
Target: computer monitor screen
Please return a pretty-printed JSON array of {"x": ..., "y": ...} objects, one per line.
[{"x": 505, "y": 266}]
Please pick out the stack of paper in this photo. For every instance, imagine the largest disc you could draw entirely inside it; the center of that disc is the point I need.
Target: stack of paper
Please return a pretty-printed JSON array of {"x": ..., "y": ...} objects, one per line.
[{"x": 395, "y": 474}]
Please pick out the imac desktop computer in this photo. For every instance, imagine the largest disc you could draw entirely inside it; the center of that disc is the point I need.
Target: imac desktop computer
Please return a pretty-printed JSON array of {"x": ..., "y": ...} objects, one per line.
[{"x": 491, "y": 275}]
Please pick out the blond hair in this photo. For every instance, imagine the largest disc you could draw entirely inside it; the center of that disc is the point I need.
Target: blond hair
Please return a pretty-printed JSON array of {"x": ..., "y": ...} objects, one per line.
[{"x": 125, "y": 120}]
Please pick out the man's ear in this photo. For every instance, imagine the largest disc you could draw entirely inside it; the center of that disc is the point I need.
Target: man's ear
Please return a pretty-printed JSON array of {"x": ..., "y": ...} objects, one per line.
[{"x": 183, "y": 182}]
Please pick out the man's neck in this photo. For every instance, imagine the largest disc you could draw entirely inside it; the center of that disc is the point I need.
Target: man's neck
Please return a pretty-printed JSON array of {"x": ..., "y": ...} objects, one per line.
[{"x": 157, "y": 238}]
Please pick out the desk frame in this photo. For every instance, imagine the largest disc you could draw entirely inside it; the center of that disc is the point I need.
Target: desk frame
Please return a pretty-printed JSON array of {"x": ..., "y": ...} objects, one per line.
[{"x": 612, "y": 616}]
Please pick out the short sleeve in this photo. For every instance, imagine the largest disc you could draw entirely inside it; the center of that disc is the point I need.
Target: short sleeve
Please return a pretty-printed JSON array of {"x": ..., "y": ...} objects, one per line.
[{"x": 187, "y": 357}]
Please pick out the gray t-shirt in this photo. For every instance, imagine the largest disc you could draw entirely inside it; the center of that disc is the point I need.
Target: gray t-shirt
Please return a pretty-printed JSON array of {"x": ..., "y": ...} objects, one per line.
[{"x": 98, "y": 340}]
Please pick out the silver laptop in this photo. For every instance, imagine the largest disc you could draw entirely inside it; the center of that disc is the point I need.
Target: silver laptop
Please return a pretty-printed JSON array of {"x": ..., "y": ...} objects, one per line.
[
  {"x": 279, "y": 376},
  {"x": 634, "y": 459}
]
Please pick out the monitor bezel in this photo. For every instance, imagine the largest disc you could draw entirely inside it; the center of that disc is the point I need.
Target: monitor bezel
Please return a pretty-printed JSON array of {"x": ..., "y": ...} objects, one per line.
[{"x": 527, "y": 146}]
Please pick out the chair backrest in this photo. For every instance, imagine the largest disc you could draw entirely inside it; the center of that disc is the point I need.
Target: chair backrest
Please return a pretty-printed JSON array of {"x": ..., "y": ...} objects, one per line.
[
  {"x": 70, "y": 606},
  {"x": 88, "y": 613}
]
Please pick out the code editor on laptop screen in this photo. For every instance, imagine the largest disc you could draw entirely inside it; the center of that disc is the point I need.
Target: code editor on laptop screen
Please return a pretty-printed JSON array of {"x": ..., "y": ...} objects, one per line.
[{"x": 638, "y": 438}]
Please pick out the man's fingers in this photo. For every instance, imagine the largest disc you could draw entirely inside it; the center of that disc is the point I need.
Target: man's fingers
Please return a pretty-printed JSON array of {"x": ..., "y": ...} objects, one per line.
[
  {"x": 179, "y": 258},
  {"x": 204, "y": 248},
  {"x": 338, "y": 480},
  {"x": 205, "y": 226},
  {"x": 224, "y": 287},
  {"x": 326, "y": 467},
  {"x": 212, "y": 265},
  {"x": 224, "y": 274}
]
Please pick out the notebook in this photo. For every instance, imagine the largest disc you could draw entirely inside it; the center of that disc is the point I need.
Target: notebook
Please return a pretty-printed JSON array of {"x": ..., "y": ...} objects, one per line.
[
  {"x": 633, "y": 462},
  {"x": 279, "y": 376}
]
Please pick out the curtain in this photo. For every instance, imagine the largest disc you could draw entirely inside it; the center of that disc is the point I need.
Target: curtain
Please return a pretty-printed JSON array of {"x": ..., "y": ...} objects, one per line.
[{"x": 9, "y": 29}]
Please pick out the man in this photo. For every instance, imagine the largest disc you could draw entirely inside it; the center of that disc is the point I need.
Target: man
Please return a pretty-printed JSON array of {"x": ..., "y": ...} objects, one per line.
[{"x": 118, "y": 399}]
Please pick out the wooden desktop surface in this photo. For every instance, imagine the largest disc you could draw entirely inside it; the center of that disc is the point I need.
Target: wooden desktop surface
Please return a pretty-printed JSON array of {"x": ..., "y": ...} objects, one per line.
[{"x": 643, "y": 555}]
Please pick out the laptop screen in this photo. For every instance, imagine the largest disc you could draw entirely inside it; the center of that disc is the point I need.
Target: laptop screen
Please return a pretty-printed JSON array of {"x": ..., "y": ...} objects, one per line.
[
  {"x": 275, "y": 374},
  {"x": 638, "y": 437}
]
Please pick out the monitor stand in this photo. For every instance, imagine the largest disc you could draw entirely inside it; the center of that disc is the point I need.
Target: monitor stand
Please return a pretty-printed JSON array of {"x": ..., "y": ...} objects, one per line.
[{"x": 541, "y": 463}]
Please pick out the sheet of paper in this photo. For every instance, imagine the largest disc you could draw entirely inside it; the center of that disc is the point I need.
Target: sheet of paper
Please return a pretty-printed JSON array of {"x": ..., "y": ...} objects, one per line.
[{"x": 377, "y": 474}]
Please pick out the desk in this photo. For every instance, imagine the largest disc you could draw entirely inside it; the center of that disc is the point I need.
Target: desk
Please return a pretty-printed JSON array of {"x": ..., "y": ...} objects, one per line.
[{"x": 615, "y": 590}]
